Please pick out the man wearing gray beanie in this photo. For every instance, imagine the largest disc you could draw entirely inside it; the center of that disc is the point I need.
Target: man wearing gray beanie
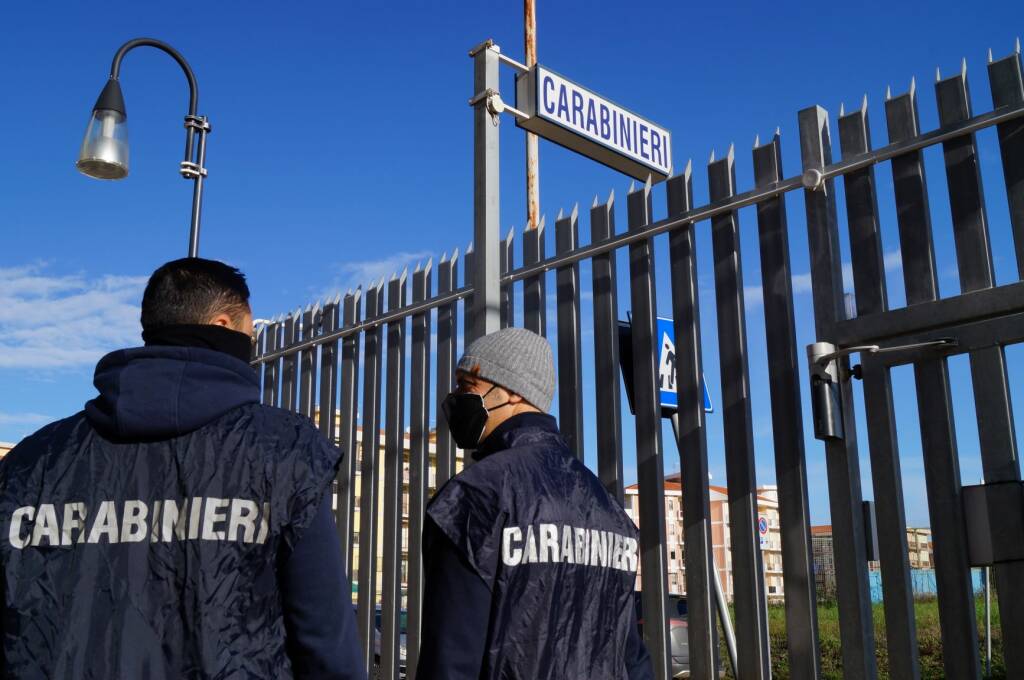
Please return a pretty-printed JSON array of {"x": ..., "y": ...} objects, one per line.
[{"x": 530, "y": 564}]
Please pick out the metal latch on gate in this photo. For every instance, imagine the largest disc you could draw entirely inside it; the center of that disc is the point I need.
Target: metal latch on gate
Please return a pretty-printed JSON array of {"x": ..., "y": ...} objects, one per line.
[{"x": 827, "y": 376}]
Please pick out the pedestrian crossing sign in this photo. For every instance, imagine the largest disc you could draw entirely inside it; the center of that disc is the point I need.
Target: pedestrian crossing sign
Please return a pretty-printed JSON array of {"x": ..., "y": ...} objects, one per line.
[{"x": 667, "y": 390}]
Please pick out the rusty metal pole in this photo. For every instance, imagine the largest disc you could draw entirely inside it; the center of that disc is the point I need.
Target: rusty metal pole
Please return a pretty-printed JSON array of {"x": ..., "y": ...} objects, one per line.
[{"x": 532, "y": 162}]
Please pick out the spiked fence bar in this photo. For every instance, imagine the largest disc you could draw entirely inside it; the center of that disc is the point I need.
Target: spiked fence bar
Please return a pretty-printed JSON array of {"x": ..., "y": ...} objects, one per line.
[{"x": 872, "y": 298}]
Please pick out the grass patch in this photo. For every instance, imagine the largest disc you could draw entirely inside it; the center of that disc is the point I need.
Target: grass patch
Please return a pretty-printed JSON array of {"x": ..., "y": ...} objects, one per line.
[{"x": 929, "y": 641}]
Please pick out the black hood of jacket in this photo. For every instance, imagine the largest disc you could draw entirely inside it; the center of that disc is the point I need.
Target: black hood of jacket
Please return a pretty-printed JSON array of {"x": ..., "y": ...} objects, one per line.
[{"x": 158, "y": 392}]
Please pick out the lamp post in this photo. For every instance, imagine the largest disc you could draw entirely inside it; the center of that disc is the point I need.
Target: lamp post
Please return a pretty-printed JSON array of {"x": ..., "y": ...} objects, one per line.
[{"x": 104, "y": 152}]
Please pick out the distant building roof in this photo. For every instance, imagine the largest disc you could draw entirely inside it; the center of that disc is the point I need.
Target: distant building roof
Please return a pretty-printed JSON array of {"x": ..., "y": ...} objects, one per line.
[{"x": 674, "y": 482}]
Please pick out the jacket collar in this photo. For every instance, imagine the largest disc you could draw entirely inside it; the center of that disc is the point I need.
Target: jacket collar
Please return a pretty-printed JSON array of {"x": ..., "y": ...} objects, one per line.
[{"x": 517, "y": 428}]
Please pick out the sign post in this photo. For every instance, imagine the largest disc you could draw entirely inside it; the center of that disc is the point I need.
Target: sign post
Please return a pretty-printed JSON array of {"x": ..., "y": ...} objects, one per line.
[
  {"x": 559, "y": 110},
  {"x": 486, "y": 215},
  {"x": 669, "y": 402},
  {"x": 723, "y": 610}
]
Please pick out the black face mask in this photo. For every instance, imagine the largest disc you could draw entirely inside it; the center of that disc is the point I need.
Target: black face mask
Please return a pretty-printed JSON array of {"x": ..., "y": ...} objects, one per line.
[{"x": 467, "y": 417}]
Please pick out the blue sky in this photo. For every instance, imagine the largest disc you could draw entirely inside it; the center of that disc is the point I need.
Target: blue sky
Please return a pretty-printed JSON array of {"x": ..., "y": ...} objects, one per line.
[{"x": 341, "y": 152}]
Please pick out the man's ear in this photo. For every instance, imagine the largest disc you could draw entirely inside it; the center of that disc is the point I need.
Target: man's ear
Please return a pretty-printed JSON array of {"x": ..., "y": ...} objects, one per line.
[
  {"x": 222, "y": 320},
  {"x": 514, "y": 398}
]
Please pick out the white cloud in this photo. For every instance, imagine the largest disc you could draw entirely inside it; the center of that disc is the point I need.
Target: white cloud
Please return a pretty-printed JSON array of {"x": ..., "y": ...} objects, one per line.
[
  {"x": 15, "y": 426},
  {"x": 63, "y": 321},
  {"x": 893, "y": 261},
  {"x": 753, "y": 296},
  {"x": 349, "y": 275},
  {"x": 23, "y": 419}
]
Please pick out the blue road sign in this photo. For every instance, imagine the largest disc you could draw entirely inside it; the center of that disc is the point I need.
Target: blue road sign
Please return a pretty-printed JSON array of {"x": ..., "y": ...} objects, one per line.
[{"x": 667, "y": 368}]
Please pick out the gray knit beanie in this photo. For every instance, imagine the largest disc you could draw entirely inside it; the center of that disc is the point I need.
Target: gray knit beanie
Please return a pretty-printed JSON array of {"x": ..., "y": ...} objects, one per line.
[{"x": 518, "y": 360}]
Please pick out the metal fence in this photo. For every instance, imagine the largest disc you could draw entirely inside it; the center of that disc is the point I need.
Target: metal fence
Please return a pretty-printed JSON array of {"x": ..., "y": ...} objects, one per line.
[{"x": 377, "y": 360}]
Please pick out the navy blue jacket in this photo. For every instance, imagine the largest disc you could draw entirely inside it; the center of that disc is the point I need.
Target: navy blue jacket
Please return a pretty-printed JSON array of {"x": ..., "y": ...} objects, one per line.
[
  {"x": 174, "y": 529},
  {"x": 530, "y": 567}
]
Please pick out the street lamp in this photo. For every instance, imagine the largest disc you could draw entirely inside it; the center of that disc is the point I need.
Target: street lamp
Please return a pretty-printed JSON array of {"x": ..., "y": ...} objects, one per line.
[{"x": 104, "y": 152}]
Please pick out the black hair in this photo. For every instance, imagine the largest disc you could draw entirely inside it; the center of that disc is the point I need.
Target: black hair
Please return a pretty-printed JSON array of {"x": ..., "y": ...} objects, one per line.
[{"x": 192, "y": 291}]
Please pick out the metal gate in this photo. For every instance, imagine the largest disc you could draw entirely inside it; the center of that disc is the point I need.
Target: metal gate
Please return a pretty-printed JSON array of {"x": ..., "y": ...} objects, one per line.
[{"x": 357, "y": 362}]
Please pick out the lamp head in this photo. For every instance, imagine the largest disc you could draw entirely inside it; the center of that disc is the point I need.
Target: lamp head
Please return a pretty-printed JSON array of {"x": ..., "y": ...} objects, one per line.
[{"x": 104, "y": 152}]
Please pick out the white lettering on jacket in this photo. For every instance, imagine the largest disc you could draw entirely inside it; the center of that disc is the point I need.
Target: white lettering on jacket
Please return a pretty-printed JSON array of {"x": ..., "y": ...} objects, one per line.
[
  {"x": 568, "y": 545},
  {"x": 133, "y": 521}
]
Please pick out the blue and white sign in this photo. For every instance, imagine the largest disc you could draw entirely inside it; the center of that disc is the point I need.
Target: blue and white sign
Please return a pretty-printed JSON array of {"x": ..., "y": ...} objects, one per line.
[
  {"x": 762, "y": 531},
  {"x": 571, "y": 115},
  {"x": 667, "y": 367}
]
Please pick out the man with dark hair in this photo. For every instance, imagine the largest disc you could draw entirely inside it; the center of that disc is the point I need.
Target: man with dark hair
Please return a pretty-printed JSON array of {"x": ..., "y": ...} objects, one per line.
[
  {"x": 185, "y": 290},
  {"x": 175, "y": 528}
]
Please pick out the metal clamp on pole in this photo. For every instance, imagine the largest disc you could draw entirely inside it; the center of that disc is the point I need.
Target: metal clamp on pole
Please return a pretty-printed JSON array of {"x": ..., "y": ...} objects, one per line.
[
  {"x": 826, "y": 404},
  {"x": 199, "y": 123},
  {"x": 189, "y": 168},
  {"x": 496, "y": 105},
  {"x": 490, "y": 96}
]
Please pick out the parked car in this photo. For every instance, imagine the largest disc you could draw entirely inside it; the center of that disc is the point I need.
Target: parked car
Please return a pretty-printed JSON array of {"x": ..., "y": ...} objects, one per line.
[
  {"x": 679, "y": 642},
  {"x": 402, "y": 621}
]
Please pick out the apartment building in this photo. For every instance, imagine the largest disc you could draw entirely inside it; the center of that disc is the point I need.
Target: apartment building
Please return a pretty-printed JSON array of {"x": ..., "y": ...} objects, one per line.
[
  {"x": 919, "y": 547},
  {"x": 919, "y": 551},
  {"x": 770, "y": 541},
  {"x": 823, "y": 558},
  {"x": 357, "y": 486}
]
